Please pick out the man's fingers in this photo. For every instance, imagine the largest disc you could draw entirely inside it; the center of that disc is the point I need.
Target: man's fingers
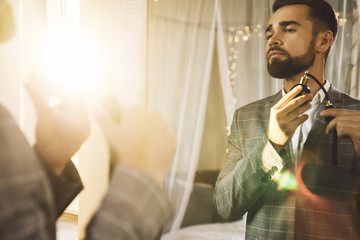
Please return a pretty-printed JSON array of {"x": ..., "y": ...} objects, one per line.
[
  {"x": 343, "y": 121},
  {"x": 333, "y": 112},
  {"x": 299, "y": 120},
  {"x": 37, "y": 97},
  {"x": 294, "y": 108},
  {"x": 295, "y": 112},
  {"x": 105, "y": 121},
  {"x": 297, "y": 102},
  {"x": 345, "y": 127},
  {"x": 288, "y": 97},
  {"x": 348, "y": 131}
]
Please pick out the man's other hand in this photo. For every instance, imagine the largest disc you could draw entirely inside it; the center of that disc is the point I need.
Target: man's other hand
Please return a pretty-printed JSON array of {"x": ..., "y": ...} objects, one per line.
[
  {"x": 138, "y": 138},
  {"x": 60, "y": 130},
  {"x": 346, "y": 123}
]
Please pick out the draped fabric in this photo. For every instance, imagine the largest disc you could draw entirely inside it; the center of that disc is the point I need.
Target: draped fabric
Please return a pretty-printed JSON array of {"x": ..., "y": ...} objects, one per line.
[
  {"x": 183, "y": 37},
  {"x": 342, "y": 68},
  {"x": 244, "y": 77},
  {"x": 181, "y": 42}
]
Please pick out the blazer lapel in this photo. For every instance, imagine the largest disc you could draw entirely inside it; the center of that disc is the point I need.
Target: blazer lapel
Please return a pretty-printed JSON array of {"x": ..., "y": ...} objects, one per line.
[
  {"x": 317, "y": 128},
  {"x": 319, "y": 125},
  {"x": 275, "y": 98}
]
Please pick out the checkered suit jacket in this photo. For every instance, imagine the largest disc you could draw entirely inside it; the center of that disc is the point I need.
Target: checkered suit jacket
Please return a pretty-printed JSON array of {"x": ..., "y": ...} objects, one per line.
[
  {"x": 134, "y": 208},
  {"x": 326, "y": 203},
  {"x": 31, "y": 197},
  {"x": 26, "y": 202}
]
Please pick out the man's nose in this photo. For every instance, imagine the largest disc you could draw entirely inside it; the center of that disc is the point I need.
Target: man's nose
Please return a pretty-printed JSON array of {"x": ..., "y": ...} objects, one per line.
[{"x": 274, "y": 40}]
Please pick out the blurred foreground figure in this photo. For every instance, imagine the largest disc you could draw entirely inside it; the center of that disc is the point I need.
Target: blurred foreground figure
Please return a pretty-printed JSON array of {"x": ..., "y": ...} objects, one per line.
[
  {"x": 135, "y": 207},
  {"x": 38, "y": 183},
  {"x": 280, "y": 168}
]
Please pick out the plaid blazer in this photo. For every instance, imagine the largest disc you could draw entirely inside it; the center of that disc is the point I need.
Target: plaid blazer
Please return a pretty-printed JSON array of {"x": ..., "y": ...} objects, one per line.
[
  {"x": 26, "y": 202},
  {"x": 31, "y": 196},
  {"x": 326, "y": 202},
  {"x": 133, "y": 208}
]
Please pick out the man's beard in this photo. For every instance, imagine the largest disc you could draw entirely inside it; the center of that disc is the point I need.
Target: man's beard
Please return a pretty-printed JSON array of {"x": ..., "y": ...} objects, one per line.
[{"x": 291, "y": 65}]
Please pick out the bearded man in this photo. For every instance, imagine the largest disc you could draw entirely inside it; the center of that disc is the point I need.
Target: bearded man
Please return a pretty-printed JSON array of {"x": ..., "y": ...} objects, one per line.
[{"x": 280, "y": 169}]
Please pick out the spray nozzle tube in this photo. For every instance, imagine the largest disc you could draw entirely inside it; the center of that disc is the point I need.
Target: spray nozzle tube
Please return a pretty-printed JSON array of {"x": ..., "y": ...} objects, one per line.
[
  {"x": 305, "y": 78},
  {"x": 303, "y": 82}
]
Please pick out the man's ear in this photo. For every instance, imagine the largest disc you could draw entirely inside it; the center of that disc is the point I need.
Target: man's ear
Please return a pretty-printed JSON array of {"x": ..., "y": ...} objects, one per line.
[{"x": 324, "y": 41}]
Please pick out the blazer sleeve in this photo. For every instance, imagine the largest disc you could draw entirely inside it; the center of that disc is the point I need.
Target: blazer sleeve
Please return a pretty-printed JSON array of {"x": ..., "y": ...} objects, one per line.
[
  {"x": 26, "y": 201},
  {"x": 65, "y": 187},
  {"x": 133, "y": 208},
  {"x": 249, "y": 162}
]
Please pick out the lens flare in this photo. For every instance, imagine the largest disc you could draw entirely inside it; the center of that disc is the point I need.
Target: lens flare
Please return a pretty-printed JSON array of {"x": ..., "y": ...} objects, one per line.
[
  {"x": 286, "y": 181},
  {"x": 73, "y": 64}
]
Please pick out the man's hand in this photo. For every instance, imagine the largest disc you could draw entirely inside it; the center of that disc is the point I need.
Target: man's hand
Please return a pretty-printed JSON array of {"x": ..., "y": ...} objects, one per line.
[
  {"x": 141, "y": 139},
  {"x": 60, "y": 131},
  {"x": 346, "y": 123},
  {"x": 286, "y": 116}
]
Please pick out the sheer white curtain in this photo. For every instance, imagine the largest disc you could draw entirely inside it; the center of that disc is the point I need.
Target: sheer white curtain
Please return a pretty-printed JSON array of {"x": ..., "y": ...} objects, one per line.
[
  {"x": 181, "y": 42},
  {"x": 241, "y": 48},
  {"x": 342, "y": 68}
]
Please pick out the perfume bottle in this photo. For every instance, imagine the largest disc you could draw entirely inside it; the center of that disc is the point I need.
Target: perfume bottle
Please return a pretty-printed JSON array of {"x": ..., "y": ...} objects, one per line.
[{"x": 303, "y": 82}]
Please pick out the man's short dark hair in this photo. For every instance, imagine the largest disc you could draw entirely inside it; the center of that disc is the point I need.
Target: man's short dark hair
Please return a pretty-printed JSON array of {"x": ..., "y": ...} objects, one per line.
[{"x": 321, "y": 14}]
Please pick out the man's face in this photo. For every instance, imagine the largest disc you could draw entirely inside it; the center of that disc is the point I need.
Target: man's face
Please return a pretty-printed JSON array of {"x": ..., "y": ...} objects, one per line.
[{"x": 290, "y": 47}]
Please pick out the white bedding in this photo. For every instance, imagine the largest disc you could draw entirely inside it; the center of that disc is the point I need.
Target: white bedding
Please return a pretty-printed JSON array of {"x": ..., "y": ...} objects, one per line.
[{"x": 213, "y": 231}]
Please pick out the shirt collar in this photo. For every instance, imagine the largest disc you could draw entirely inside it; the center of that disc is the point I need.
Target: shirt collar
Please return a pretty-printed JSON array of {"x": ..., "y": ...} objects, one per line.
[{"x": 319, "y": 95}]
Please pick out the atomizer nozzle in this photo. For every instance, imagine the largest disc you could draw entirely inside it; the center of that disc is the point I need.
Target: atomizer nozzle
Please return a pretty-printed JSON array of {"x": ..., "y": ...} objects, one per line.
[
  {"x": 329, "y": 104},
  {"x": 304, "y": 78}
]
